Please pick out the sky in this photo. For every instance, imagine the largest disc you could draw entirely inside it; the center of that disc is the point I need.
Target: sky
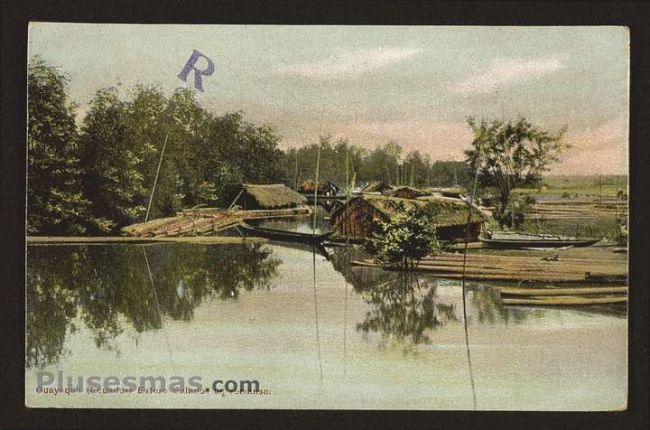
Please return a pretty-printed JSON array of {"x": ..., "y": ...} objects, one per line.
[{"x": 416, "y": 85}]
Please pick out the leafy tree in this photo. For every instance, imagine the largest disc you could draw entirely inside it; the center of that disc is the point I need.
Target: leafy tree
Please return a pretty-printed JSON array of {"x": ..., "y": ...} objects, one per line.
[
  {"x": 55, "y": 203},
  {"x": 449, "y": 173},
  {"x": 112, "y": 156},
  {"x": 405, "y": 239},
  {"x": 383, "y": 163},
  {"x": 510, "y": 154}
]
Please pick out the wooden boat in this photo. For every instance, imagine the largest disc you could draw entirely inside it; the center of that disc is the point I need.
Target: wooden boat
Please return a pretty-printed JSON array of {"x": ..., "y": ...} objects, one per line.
[
  {"x": 563, "y": 296},
  {"x": 561, "y": 291},
  {"x": 284, "y": 235},
  {"x": 521, "y": 241},
  {"x": 565, "y": 301}
]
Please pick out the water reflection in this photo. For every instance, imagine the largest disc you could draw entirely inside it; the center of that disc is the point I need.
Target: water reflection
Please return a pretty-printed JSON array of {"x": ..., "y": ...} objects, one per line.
[
  {"x": 487, "y": 307},
  {"x": 106, "y": 285},
  {"x": 113, "y": 289},
  {"x": 404, "y": 308}
]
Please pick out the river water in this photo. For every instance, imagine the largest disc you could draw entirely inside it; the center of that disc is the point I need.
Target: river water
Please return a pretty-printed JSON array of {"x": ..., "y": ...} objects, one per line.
[{"x": 311, "y": 330}]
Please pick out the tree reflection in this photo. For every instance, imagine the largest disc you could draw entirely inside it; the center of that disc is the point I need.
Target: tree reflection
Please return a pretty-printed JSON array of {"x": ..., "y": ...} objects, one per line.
[
  {"x": 404, "y": 310},
  {"x": 108, "y": 286},
  {"x": 489, "y": 308}
]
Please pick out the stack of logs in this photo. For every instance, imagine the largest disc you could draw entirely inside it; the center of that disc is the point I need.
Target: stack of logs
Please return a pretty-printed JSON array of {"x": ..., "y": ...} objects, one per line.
[{"x": 201, "y": 222}]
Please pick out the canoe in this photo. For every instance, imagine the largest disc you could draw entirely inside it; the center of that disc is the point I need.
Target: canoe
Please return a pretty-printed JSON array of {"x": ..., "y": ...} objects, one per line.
[
  {"x": 561, "y": 291},
  {"x": 284, "y": 235},
  {"x": 537, "y": 243},
  {"x": 565, "y": 301}
]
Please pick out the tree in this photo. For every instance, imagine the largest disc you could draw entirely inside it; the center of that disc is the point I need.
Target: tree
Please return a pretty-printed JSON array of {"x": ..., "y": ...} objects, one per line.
[
  {"x": 405, "y": 239},
  {"x": 55, "y": 203},
  {"x": 112, "y": 157},
  {"x": 510, "y": 154}
]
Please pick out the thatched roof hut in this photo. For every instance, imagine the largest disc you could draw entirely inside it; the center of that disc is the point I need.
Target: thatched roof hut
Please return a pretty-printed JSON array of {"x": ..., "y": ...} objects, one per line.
[
  {"x": 271, "y": 196},
  {"x": 359, "y": 218},
  {"x": 324, "y": 188},
  {"x": 376, "y": 187},
  {"x": 408, "y": 193},
  {"x": 455, "y": 192}
]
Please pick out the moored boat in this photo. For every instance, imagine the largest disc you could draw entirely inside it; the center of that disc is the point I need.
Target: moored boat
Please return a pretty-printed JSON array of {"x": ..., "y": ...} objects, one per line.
[
  {"x": 520, "y": 241},
  {"x": 284, "y": 235}
]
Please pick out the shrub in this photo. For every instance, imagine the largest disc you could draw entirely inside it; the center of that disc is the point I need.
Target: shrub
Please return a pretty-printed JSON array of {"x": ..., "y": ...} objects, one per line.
[{"x": 404, "y": 240}]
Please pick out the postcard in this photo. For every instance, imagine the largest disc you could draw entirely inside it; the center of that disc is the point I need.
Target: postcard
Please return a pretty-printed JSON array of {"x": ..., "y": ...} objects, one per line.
[{"x": 327, "y": 217}]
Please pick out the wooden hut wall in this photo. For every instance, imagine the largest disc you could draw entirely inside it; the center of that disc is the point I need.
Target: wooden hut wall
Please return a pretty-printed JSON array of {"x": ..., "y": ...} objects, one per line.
[
  {"x": 357, "y": 220},
  {"x": 248, "y": 202},
  {"x": 456, "y": 233}
]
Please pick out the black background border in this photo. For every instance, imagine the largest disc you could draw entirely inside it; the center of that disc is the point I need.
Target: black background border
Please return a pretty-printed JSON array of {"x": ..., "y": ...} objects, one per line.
[{"x": 14, "y": 19}]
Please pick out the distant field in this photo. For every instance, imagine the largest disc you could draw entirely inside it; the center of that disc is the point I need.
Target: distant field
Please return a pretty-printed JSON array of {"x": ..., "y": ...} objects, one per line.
[
  {"x": 578, "y": 205},
  {"x": 582, "y": 186}
]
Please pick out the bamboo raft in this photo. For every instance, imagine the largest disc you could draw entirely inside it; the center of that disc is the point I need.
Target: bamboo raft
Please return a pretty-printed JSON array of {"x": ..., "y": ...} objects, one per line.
[
  {"x": 514, "y": 268},
  {"x": 206, "y": 221}
]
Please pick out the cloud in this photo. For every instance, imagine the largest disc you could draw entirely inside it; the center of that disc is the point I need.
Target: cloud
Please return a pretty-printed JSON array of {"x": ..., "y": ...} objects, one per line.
[
  {"x": 603, "y": 149},
  {"x": 612, "y": 133},
  {"x": 348, "y": 63},
  {"x": 505, "y": 73}
]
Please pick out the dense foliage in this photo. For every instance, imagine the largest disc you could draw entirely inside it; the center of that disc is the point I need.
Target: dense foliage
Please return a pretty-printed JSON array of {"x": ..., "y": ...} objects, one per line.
[
  {"x": 95, "y": 174},
  {"x": 54, "y": 195},
  {"x": 405, "y": 239},
  {"x": 98, "y": 176}
]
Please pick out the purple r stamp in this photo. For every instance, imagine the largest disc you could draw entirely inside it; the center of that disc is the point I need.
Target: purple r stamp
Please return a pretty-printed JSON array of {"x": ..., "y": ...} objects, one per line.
[{"x": 198, "y": 73}]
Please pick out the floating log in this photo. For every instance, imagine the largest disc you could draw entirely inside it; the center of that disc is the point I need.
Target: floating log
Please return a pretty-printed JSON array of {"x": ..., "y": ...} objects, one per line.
[
  {"x": 560, "y": 291},
  {"x": 565, "y": 301},
  {"x": 605, "y": 277}
]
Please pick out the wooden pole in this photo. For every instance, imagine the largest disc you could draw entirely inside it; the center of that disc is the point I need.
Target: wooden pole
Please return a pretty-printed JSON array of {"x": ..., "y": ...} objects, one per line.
[
  {"x": 296, "y": 169},
  {"x": 347, "y": 173},
  {"x": 464, "y": 291},
  {"x": 236, "y": 198},
  {"x": 155, "y": 181},
  {"x": 316, "y": 188},
  {"x": 600, "y": 189}
]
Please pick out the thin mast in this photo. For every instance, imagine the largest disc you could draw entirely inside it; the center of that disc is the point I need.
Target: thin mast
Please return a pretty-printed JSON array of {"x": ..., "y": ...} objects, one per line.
[{"x": 155, "y": 181}]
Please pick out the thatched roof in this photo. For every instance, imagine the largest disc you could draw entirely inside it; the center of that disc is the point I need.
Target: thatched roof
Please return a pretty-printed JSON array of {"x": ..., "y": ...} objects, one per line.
[
  {"x": 447, "y": 211},
  {"x": 408, "y": 191},
  {"x": 274, "y": 195},
  {"x": 376, "y": 187},
  {"x": 322, "y": 186},
  {"x": 446, "y": 190}
]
